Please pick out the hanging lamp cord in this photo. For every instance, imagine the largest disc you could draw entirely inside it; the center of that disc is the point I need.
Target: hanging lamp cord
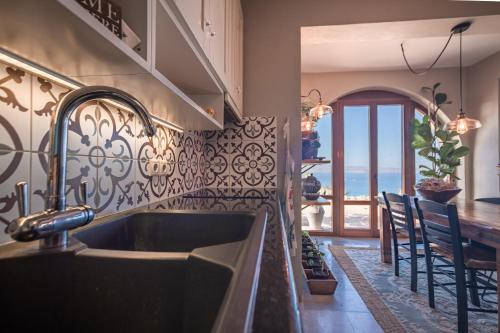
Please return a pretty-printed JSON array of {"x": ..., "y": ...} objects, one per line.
[
  {"x": 461, "y": 90},
  {"x": 433, "y": 64}
]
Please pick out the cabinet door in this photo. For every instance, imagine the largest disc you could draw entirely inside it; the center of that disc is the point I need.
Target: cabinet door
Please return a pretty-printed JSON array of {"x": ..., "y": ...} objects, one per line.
[
  {"x": 239, "y": 60},
  {"x": 194, "y": 12},
  {"x": 217, "y": 35}
]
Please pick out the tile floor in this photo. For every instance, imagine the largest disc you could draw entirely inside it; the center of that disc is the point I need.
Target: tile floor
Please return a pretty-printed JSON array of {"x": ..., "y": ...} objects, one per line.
[{"x": 345, "y": 312}]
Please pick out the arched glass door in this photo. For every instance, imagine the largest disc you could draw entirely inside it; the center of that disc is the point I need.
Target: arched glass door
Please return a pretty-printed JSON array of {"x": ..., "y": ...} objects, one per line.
[{"x": 372, "y": 154}]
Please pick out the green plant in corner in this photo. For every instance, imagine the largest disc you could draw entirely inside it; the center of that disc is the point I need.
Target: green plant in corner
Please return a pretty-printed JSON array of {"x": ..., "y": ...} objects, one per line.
[{"x": 436, "y": 144}]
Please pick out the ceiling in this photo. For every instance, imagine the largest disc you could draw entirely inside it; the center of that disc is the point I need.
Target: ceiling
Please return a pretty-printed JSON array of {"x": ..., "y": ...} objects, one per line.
[{"x": 376, "y": 46}]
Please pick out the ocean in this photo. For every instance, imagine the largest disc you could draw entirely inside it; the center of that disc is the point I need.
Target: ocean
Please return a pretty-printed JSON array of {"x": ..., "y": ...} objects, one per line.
[{"x": 357, "y": 183}]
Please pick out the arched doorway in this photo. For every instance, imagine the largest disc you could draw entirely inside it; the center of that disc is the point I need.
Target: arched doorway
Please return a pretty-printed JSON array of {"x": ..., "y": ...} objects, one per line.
[{"x": 371, "y": 153}]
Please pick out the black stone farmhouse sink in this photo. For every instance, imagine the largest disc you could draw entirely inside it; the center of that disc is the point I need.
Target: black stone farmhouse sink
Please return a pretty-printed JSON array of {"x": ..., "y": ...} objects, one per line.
[
  {"x": 141, "y": 272},
  {"x": 172, "y": 232}
]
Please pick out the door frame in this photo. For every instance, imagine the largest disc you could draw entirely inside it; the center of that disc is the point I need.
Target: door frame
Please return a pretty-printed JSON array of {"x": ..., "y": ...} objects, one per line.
[{"x": 372, "y": 100}]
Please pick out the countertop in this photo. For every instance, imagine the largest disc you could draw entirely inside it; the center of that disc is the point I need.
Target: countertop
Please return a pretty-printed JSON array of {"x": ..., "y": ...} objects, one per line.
[{"x": 276, "y": 303}]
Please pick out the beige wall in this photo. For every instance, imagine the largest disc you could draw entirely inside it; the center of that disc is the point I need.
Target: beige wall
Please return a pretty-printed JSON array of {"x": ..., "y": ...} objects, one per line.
[
  {"x": 272, "y": 50},
  {"x": 483, "y": 102},
  {"x": 335, "y": 85}
]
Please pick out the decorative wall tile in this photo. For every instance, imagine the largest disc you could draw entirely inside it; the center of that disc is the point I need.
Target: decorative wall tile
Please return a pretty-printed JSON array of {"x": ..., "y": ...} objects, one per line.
[
  {"x": 116, "y": 131},
  {"x": 80, "y": 169},
  {"x": 253, "y": 129},
  {"x": 243, "y": 155},
  {"x": 115, "y": 185},
  {"x": 14, "y": 167},
  {"x": 253, "y": 164},
  {"x": 15, "y": 103},
  {"x": 217, "y": 165}
]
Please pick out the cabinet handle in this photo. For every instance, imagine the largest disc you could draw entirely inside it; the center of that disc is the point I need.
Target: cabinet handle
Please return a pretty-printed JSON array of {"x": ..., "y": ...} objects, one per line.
[
  {"x": 207, "y": 23},
  {"x": 212, "y": 33}
]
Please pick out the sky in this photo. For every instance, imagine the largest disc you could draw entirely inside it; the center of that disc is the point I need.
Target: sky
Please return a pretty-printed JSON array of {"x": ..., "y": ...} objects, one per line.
[{"x": 356, "y": 137}]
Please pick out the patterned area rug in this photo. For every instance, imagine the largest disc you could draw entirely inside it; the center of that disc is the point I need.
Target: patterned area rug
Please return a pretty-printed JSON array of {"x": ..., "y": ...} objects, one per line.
[{"x": 395, "y": 307}]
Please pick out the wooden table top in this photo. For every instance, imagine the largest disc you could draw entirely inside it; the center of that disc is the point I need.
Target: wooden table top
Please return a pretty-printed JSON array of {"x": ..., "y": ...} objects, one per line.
[{"x": 479, "y": 221}]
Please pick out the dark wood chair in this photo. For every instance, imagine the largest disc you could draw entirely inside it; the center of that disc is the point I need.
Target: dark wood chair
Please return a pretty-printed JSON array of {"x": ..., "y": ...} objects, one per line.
[
  {"x": 449, "y": 255},
  {"x": 403, "y": 226}
]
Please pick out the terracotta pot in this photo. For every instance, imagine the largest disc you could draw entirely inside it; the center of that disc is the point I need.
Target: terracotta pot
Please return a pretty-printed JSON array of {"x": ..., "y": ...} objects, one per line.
[{"x": 438, "y": 196}]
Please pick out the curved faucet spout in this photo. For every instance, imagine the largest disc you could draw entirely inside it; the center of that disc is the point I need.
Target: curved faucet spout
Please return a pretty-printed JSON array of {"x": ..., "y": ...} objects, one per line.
[{"x": 59, "y": 134}]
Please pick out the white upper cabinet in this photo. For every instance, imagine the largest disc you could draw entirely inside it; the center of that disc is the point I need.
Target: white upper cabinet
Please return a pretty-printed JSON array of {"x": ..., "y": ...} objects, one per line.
[
  {"x": 234, "y": 56},
  {"x": 216, "y": 30},
  {"x": 193, "y": 12},
  {"x": 217, "y": 25}
]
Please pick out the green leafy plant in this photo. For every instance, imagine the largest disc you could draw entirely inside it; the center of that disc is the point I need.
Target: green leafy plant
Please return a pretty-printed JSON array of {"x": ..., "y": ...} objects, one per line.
[{"x": 436, "y": 144}]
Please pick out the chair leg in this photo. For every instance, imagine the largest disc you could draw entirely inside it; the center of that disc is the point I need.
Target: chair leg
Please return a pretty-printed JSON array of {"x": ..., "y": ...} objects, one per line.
[
  {"x": 474, "y": 294},
  {"x": 461, "y": 290},
  {"x": 414, "y": 274},
  {"x": 430, "y": 279},
  {"x": 396, "y": 254}
]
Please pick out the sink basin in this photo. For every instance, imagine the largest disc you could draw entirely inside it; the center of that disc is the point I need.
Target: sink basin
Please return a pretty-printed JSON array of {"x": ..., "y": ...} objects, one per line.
[
  {"x": 172, "y": 232},
  {"x": 144, "y": 272}
]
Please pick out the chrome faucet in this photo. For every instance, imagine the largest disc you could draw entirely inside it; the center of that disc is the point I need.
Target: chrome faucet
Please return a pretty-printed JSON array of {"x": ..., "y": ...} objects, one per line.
[{"x": 51, "y": 225}]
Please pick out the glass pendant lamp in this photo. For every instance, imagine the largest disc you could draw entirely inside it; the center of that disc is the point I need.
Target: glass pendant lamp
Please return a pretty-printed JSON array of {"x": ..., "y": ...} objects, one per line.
[
  {"x": 320, "y": 109},
  {"x": 462, "y": 124}
]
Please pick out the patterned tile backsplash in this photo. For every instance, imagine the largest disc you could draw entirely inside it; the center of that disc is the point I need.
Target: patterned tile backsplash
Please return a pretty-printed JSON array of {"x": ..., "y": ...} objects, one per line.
[
  {"x": 243, "y": 155},
  {"x": 107, "y": 148}
]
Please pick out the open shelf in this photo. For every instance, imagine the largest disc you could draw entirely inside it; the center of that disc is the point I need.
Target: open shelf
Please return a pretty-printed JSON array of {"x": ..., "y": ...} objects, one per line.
[
  {"x": 315, "y": 161},
  {"x": 316, "y": 203},
  {"x": 64, "y": 38},
  {"x": 178, "y": 57}
]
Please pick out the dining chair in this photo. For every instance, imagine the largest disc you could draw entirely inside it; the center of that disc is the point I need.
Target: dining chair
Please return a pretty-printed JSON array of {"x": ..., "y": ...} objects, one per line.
[
  {"x": 447, "y": 254},
  {"x": 495, "y": 201},
  {"x": 403, "y": 226}
]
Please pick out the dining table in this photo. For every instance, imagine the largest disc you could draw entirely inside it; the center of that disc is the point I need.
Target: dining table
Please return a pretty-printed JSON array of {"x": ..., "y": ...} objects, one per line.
[{"x": 479, "y": 221}]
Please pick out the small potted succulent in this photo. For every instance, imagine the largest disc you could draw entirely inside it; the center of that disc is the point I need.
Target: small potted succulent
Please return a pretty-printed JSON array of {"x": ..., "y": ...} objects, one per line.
[{"x": 439, "y": 146}]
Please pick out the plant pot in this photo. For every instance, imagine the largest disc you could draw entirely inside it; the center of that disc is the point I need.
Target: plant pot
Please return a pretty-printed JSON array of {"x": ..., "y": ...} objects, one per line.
[
  {"x": 309, "y": 150},
  {"x": 315, "y": 216},
  {"x": 441, "y": 196},
  {"x": 323, "y": 286}
]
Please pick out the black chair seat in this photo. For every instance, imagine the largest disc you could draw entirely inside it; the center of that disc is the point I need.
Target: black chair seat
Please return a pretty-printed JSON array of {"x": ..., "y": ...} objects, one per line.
[
  {"x": 474, "y": 257},
  {"x": 495, "y": 201}
]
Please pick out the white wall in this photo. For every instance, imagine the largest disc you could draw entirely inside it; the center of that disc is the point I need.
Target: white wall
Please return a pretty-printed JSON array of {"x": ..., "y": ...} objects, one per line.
[{"x": 483, "y": 102}]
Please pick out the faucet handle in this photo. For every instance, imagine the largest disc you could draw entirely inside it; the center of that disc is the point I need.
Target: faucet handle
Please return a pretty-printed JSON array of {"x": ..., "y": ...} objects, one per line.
[
  {"x": 22, "y": 192},
  {"x": 84, "y": 192}
]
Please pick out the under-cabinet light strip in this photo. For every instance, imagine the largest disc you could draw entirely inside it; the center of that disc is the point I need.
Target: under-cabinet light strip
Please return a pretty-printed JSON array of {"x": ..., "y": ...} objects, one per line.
[{"x": 29, "y": 66}]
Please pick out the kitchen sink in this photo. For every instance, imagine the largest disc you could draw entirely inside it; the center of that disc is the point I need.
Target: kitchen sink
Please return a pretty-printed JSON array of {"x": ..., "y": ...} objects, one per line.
[
  {"x": 172, "y": 232},
  {"x": 144, "y": 272}
]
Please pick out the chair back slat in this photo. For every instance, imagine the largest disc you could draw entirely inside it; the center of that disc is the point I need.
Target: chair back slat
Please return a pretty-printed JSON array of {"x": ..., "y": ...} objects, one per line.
[
  {"x": 440, "y": 226},
  {"x": 400, "y": 213}
]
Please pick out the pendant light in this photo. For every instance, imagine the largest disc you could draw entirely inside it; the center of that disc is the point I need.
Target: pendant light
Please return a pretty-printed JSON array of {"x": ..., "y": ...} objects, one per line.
[
  {"x": 462, "y": 124},
  {"x": 320, "y": 109}
]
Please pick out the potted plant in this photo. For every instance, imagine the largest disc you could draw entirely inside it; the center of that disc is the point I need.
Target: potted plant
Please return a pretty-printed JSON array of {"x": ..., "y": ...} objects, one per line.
[{"x": 439, "y": 146}]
